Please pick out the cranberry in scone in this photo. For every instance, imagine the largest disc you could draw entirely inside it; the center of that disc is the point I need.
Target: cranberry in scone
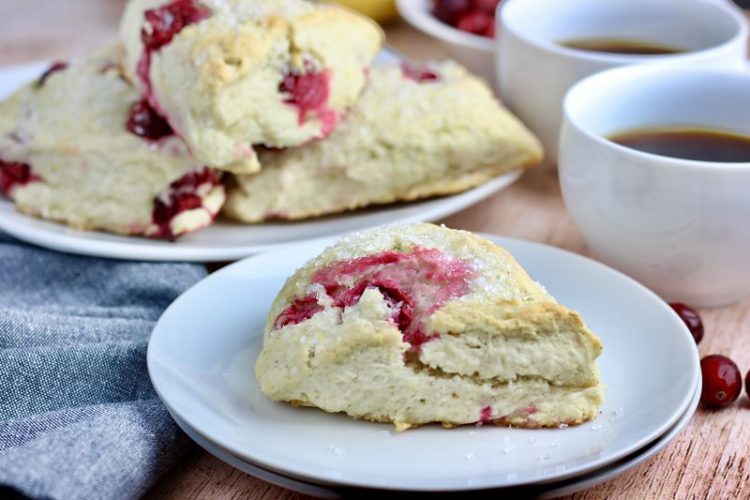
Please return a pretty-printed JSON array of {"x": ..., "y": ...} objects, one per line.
[
  {"x": 15, "y": 175},
  {"x": 419, "y": 324}
]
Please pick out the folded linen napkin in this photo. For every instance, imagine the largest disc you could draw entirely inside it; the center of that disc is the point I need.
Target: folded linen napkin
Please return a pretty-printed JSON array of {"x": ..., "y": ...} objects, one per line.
[{"x": 78, "y": 415}]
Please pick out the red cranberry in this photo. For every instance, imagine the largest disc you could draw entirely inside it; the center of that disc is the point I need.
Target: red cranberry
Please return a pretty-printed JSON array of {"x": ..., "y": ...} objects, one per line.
[
  {"x": 449, "y": 11},
  {"x": 691, "y": 318},
  {"x": 309, "y": 91},
  {"x": 490, "y": 31},
  {"x": 485, "y": 415},
  {"x": 14, "y": 174},
  {"x": 418, "y": 74},
  {"x": 476, "y": 22},
  {"x": 168, "y": 20},
  {"x": 160, "y": 26},
  {"x": 487, "y": 6},
  {"x": 180, "y": 197},
  {"x": 54, "y": 68},
  {"x": 471, "y": 16},
  {"x": 389, "y": 289},
  {"x": 722, "y": 381},
  {"x": 145, "y": 122},
  {"x": 395, "y": 296},
  {"x": 301, "y": 310},
  {"x": 417, "y": 337}
]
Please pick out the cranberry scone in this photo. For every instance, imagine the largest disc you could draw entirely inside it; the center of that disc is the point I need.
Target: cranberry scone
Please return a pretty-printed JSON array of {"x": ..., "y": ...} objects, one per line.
[
  {"x": 229, "y": 75},
  {"x": 415, "y": 133},
  {"x": 79, "y": 146},
  {"x": 420, "y": 324}
]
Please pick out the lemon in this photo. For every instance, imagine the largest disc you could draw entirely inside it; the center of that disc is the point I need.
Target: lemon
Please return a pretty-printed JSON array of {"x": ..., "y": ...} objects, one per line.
[{"x": 380, "y": 10}]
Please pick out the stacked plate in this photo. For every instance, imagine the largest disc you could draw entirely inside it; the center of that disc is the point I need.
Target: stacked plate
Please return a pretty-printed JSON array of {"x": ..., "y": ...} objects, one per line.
[{"x": 201, "y": 360}]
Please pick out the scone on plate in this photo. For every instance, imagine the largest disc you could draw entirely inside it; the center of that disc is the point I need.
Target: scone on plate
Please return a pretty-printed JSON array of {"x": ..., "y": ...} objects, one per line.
[
  {"x": 415, "y": 133},
  {"x": 419, "y": 324},
  {"x": 232, "y": 74},
  {"x": 79, "y": 146}
]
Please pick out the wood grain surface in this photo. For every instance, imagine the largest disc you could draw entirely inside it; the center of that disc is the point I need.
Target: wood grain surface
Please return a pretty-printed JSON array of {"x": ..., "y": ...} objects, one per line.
[{"x": 710, "y": 459}]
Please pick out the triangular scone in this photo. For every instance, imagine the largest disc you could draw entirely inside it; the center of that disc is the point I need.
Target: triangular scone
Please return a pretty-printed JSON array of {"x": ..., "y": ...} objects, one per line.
[
  {"x": 415, "y": 133},
  {"x": 419, "y": 324},
  {"x": 229, "y": 75},
  {"x": 67, "y": 154}
]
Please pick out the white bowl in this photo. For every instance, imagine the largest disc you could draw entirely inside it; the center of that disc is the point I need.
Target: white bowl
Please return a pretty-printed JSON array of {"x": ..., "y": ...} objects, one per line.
[
  {"x": 475, "y": 52},
  {"x": 678, "y": 226}
]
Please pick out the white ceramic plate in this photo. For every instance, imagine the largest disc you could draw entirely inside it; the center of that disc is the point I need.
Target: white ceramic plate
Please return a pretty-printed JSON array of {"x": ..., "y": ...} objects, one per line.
[
  {"x": 548, "y": 490},
  {"x": 223, "y": 240},
  {"x": 203, "y": 349}
]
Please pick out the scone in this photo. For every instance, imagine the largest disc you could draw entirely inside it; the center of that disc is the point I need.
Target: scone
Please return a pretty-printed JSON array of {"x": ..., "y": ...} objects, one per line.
[
  {"x": 419, "y": 324},
  {"x": 232, "y": 74},
  {"x": 415, "y": 133},
  {"x": 79, "y": 146}
]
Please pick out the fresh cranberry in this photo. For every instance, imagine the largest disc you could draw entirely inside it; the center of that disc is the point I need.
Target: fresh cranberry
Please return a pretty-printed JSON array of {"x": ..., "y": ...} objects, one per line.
[
  {"x": 722, "y": 381},
  {"x": 691, "y": 318},
  {"x": 54, "y": 68},
  {"x": 13, "y": 174},
  {"x": 180, "y": 196},
  {"x": 487, "y": 6},
  {"x": 418, "y": 74},
  {"x": 145, "y": 122},
  {"x": 471, "y": 16},
  {"x": 490, "y": 31},
  {"x": 308, "y": 91},
  {"x": 449, "y": 11},
  {"x": 476, "y": 22},
  {"x": 164, "y": 22}
]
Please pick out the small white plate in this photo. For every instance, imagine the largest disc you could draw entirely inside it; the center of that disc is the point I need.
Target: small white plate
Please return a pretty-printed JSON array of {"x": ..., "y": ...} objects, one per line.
[
  {"x": 223, "y": 240},
  {"x": 548, "y": 490},
  {"x": 203, "y": 349}
]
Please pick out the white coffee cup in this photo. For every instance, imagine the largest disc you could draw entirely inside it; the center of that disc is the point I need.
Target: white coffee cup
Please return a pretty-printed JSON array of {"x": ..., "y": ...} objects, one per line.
[
  {"x": 535, "y": 71},
  {"x": 681, "y": 227}
]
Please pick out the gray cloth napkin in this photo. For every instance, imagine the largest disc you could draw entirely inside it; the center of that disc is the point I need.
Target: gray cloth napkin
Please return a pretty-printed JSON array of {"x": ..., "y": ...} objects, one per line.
[{"x": 78, "y": 415}]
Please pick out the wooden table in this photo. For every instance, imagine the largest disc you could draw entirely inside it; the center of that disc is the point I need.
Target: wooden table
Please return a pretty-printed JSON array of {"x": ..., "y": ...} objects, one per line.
[{"x": 710, "y": 459}]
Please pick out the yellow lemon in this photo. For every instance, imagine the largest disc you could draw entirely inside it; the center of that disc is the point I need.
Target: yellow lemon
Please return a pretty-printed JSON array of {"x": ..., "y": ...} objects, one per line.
[{"x": 380, "y": 10}]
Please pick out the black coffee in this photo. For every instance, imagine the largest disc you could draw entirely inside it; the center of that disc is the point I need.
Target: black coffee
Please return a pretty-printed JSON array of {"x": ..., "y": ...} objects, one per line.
[
  {"x": 618, "y": 46},
  {"x": 688, "y": 143}
]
